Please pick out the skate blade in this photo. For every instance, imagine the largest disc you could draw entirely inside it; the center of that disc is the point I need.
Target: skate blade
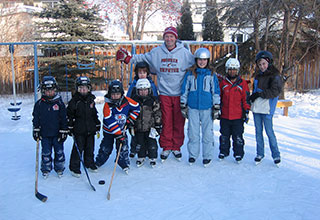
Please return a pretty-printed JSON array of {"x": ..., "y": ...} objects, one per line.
[
  {"x": 257, "y": 163},
  {"x": 191, "y": 164},
  {"x": 277, "y": 165},
  {"x": 140, "y": 165},
  {"x": 178, "y": 159}
]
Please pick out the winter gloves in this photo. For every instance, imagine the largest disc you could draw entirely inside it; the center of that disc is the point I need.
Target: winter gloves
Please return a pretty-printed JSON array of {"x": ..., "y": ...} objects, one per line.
[
  {"x": 62, "y": 136},
  {"x": 216, "y": 112},
  {"x": 184, "y": 110},
  {"x": 123, "y": 55},
  {"x": 36, "y": 134},
  {"x": 158, "y": 128},
  {"x": 254, "y": 96}
]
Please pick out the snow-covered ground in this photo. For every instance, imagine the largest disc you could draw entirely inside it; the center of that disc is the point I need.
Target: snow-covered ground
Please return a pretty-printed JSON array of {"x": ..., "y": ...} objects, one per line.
[{"x": 172, "y": 190}]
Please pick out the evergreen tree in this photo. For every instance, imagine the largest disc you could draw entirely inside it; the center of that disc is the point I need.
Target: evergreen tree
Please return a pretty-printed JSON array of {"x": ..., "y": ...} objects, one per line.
[
  {"x": 70, "y": 20},
  {"x": 185, "y": 28},
  {"x": 212, "y": 30}
]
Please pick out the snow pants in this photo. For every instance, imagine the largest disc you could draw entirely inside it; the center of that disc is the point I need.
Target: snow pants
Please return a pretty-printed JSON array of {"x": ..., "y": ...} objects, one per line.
[
  {"x": 235, "y": 129},
  {"x": 106, "y": 148},
  {"x": 85, "y": 145},
  {"x": 146, "y": 146},
  {"x": 172, "y": 135},
  {"x": 47, "y": 143},
  {"x": 200, "y": 121}
]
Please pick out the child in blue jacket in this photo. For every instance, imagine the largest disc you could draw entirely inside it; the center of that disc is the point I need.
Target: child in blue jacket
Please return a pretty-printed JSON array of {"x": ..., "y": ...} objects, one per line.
[
  {"x": 50, "y": 126},
  {"x": 200, "y": 103}
]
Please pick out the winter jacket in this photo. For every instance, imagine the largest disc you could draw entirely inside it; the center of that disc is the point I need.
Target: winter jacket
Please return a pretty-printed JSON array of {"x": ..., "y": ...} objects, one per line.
[
  {"x": 132, "y": 89},
  {"x": 82, "y": 114},
  {"x": 200, "y": 89},
  {"x": 115, "y": 116},
  {"x": 50, "y": 116},
  {"x": 170, "y": 66},
  {"x": 269, "y": 85},
  {"x": 234, "y": 98},
  {"x": 150, "y": 113}
]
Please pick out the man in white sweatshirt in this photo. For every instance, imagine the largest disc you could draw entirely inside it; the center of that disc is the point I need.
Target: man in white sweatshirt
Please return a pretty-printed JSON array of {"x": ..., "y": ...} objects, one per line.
[{"x": 169, "y": 61}]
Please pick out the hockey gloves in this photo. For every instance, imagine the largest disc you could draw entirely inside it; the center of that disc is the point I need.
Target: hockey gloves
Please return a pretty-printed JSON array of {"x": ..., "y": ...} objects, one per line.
[
  {"x": 123, "y": 55},
  {"x": 130, "y": 123},
  {"x": 158, "y": 128},
  {"x": 184, "y": 110},
  {"x": 63, "y": 134},
  {"x": 216, "y": 112},
  {"x": 36, "y": 134},
  {"x": 254, "y": 96},
  {"x": 121, "y": 138}
]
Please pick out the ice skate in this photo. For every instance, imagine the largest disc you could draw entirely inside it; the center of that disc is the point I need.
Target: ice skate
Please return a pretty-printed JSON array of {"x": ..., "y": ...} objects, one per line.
[
  {"x": 221, "y": 157},
  {"x": 126, "y": 170},
  {"x": 177, "y": 154},
  {"x": 153, "y": 163},
  {"x": 164, "y": 155},
  {"x": 277, "y": 161},
  {"x": 140, "y": 162},
  {"x": 238, "y": 159},
  {"x": 191, "y": 161},
  {"x": 45, "y": 175},
  {"x": 76, "y": 174},
  {"x": 206, "y": 162},
  {"x": 93, "y": 168},
  {"x": 60, "y": 174},
  {"x": 258, "y": 159}
]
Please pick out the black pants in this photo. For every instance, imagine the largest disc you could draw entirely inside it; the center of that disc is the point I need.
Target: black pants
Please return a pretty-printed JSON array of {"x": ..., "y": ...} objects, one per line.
[
  {"x": 234, "y": 129},
  {"x": 85, "y": 144},
  {"x": 146, "y": 146}
]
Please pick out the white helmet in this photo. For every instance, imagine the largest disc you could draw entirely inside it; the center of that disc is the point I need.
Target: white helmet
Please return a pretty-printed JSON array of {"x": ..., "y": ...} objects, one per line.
[
  {"x": 143, "y": 84},
  {"x": 232, "y": 63},
  {"x": 202, "y": 53}
]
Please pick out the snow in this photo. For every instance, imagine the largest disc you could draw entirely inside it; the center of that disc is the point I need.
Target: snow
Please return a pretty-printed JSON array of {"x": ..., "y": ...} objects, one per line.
[{"x": 172, "y": 190}]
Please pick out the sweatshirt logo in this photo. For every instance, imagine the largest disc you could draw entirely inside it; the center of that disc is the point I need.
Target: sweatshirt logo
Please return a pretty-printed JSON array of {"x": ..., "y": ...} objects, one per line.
[
  {"x": 121, "y": 119},
  {"x": 55, "y": 107}
]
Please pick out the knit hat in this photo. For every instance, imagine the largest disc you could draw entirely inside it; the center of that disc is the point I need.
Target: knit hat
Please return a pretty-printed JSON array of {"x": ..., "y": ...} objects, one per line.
[{"x": 171, "y": 30}]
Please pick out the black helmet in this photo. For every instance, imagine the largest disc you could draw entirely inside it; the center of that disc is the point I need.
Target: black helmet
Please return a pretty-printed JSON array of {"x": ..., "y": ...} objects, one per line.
[
  {"x": 141, "y": 65},
  {"x": 48, "y": 82},
  {"x": 83, "y": 81},
  {"x": 114, "y": 87},
  {"x": 265, "y": 55}
]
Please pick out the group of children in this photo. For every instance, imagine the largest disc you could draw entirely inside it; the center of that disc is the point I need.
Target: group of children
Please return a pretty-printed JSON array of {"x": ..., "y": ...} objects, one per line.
[{"x": 204, "y": 98}]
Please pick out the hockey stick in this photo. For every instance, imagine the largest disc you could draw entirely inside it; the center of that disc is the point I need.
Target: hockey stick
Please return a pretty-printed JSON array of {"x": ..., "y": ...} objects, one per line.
[
  {"x": 114, "y": 170},
  {"x": 84, "y": 167},
  {"x": 41, "y": 197}
]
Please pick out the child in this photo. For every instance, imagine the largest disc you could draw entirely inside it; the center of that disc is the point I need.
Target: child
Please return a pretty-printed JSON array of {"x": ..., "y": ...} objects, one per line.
[
  {"x": 83, "y": 124},
  {"x": 142, "y": 71},
  {"x": 118, "y": 111},
  {"x": 234, "y": 110},
  {"x": 266, "y": 90},
  {"x": 50, "y": 126},
  {"x": 150, "y": 117},
  {"x": 200, "y": 103}
]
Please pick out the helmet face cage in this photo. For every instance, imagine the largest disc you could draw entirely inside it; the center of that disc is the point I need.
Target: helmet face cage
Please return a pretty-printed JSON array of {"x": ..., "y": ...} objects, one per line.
[
  {"x": 202, "y": 53},
  {"x": 115, "y": 87},
  {"x": 48, "y": 82},
  {"x": 232, "y": 64},
  {"x": 83, "y": 81}
]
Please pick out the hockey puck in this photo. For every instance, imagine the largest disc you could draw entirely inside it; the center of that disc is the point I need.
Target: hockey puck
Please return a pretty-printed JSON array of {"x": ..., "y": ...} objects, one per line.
[{"x": 102, "y": 182}]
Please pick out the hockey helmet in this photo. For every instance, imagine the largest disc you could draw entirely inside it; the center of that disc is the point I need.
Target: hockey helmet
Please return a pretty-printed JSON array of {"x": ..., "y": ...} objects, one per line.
[
  {"x": 232, "y": 64},
  {"x": 143, "y": 84},
  {"x": 263, "y": 54},
  {"x": 202, "y": 53},
  {"x": 48, "y": 83},
  {"x": 83, "y": 81},
  {"x": 115, "y": 86}
]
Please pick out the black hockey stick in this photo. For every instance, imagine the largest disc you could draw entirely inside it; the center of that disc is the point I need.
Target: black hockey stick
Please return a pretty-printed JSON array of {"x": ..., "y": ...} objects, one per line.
[
  {"x": 84, "y": 167},
  {"x": 41, "y": 197}
]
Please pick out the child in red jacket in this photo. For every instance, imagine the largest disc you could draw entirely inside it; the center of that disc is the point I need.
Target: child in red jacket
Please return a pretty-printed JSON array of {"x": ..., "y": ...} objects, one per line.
[{"x": 234, "y": 111}]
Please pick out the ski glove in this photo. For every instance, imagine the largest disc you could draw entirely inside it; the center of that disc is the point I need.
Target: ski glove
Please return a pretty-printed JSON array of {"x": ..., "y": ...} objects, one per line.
[
  {"x": 158, "y": 128},
  {"x": 254, "y": 96},
  {"x": 216, "y": 112},
  {"x": 36, "y": 134},
  {"x": 123, "y": 55},
  {"x": 184, "y": 110},
  {"x": 63, "y": 134}
]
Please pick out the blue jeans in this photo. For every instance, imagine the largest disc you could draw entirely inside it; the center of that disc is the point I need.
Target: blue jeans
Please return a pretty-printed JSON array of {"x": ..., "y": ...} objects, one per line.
[
  {"x": 200, "y": 121},
  {"x": 266, "y": 120}
]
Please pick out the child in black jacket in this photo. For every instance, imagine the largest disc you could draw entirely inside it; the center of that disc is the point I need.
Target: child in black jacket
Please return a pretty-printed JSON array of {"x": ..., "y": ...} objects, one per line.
[
  {"x": 50, "y": 126},
  {"x": 83, "y": 124}
]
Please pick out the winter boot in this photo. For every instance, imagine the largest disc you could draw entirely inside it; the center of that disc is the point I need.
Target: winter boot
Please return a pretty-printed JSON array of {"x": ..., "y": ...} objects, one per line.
[
  {"x": 258, "y": 159},
  {"x": 140, "y": 161},
  {"x": 177, "y": 154},
  {"x": 206, "y": 162},
  {"x": 164, "y": 155}
]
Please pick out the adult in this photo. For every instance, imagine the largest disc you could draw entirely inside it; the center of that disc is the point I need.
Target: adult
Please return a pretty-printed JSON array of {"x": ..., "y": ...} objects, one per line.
[{"x": 169, "y": 61}]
